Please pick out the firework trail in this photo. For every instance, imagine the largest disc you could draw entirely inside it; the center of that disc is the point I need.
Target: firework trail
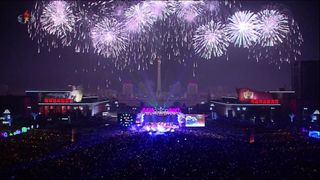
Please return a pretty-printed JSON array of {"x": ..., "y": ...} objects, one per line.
[
  {"x": 160, "y": 10},
  {"x": 221, "y": 7}
]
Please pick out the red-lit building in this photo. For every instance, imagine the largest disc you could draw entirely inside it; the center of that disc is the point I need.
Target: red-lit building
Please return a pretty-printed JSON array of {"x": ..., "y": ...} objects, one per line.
[
  {"x": 63, "y": 103},
  {"x": 256, "y": 106}
]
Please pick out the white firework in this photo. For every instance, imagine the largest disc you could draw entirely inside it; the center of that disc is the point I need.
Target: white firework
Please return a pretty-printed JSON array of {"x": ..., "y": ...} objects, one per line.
[
  {"x": 281, "y": 40},
  {"x": 189, "y": 10},
  {"x": 109, "y": 38},
  {"x": 286, "y": 51},
  {"x": 242, "y": 29},
  {"x": 274, "y": 27},
  {"x": 139, "y": 18},
  {"x": 58, "y": 18},
  {"x": 211, "y": 40}
]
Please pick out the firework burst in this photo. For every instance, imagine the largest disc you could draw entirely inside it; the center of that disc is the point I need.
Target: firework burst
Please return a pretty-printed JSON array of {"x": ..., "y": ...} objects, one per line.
[
  {"x": 53, "y": 24},
  {"x": 134, "y": 34},
  {"x": 211, "y": 40},
  {"x": 285, "y": 52},
  {"x": 188, "y": 10},
  {"x": 243, "y": 28},
  {"x": 274, "y": 27},
  {"x": 280, "y": 41},
  {"x": 108, "y": 38},
  {"x": 58, "y": 19},
  {"x": 139, "y": 18},
  {"x": 88, "y": 14}
]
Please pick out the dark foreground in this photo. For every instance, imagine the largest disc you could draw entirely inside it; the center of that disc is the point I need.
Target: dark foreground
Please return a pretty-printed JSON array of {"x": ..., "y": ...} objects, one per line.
[{"x": 216, "y": 152}]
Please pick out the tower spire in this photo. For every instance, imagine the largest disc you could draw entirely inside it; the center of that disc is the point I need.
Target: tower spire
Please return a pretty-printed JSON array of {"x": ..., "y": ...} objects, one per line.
[{"x": 159, "y": 78}]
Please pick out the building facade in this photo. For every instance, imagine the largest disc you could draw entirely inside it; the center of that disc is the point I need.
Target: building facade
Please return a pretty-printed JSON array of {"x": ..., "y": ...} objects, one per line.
[
  {"x": 305, "y": 82},
  {"x": 63, "y": 104}
]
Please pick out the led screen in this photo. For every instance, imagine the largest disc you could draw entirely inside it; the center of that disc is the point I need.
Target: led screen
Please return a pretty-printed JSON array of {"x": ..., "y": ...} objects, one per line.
[
  {"x": 160, "y": 118},
  {"x": 195, "y": 120}
]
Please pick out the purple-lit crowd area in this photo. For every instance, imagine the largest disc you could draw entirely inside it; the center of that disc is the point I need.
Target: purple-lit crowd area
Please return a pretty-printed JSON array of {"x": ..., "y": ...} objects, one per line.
[
  {"x": 159, "y": 144},
  {"x": 17, "y": 131},
  {"x": 217, "y": 151}
]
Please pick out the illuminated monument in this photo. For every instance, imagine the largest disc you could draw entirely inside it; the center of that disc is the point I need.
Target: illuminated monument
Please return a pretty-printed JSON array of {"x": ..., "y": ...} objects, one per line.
[{"x": 159, "y": 80}]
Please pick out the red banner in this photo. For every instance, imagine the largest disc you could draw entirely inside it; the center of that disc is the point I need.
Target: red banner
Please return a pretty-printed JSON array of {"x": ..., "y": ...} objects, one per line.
[{"x": 57, "y": 100}]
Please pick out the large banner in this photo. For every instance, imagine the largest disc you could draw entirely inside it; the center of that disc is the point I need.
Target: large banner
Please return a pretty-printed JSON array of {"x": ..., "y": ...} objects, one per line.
[
  {"x": 246, "y": 94},
  {"x": 195, "y": 120}
]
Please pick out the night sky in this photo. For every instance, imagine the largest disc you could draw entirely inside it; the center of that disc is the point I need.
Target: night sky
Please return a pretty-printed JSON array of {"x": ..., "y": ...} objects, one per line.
[{"x": 23, "y": 68}]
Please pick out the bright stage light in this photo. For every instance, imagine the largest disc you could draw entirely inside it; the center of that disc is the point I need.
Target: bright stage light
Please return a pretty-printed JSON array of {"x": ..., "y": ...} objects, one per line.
[{"x": 159, "y": 121}]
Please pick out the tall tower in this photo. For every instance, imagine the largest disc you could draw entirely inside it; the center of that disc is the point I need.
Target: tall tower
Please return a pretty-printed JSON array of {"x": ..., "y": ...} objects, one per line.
[
  {"x": 127, "y": 89},
  {"x": 192, "y": 89},
  {"x": 159, "y": 78}
]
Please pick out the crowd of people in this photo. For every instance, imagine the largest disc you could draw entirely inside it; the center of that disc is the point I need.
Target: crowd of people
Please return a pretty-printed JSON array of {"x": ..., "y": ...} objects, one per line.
[
  {"x": 214, "y": 152},
  {"x": 32, "y": 145}
]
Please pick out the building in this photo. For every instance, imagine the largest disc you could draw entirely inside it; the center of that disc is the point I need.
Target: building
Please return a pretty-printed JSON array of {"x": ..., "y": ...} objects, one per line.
[
  {"x": 288, "y": 100},
  {"x": 62, "y": 104},
  {"x": 305, "y": 82},
  {"x": 252, "y": 106}
]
